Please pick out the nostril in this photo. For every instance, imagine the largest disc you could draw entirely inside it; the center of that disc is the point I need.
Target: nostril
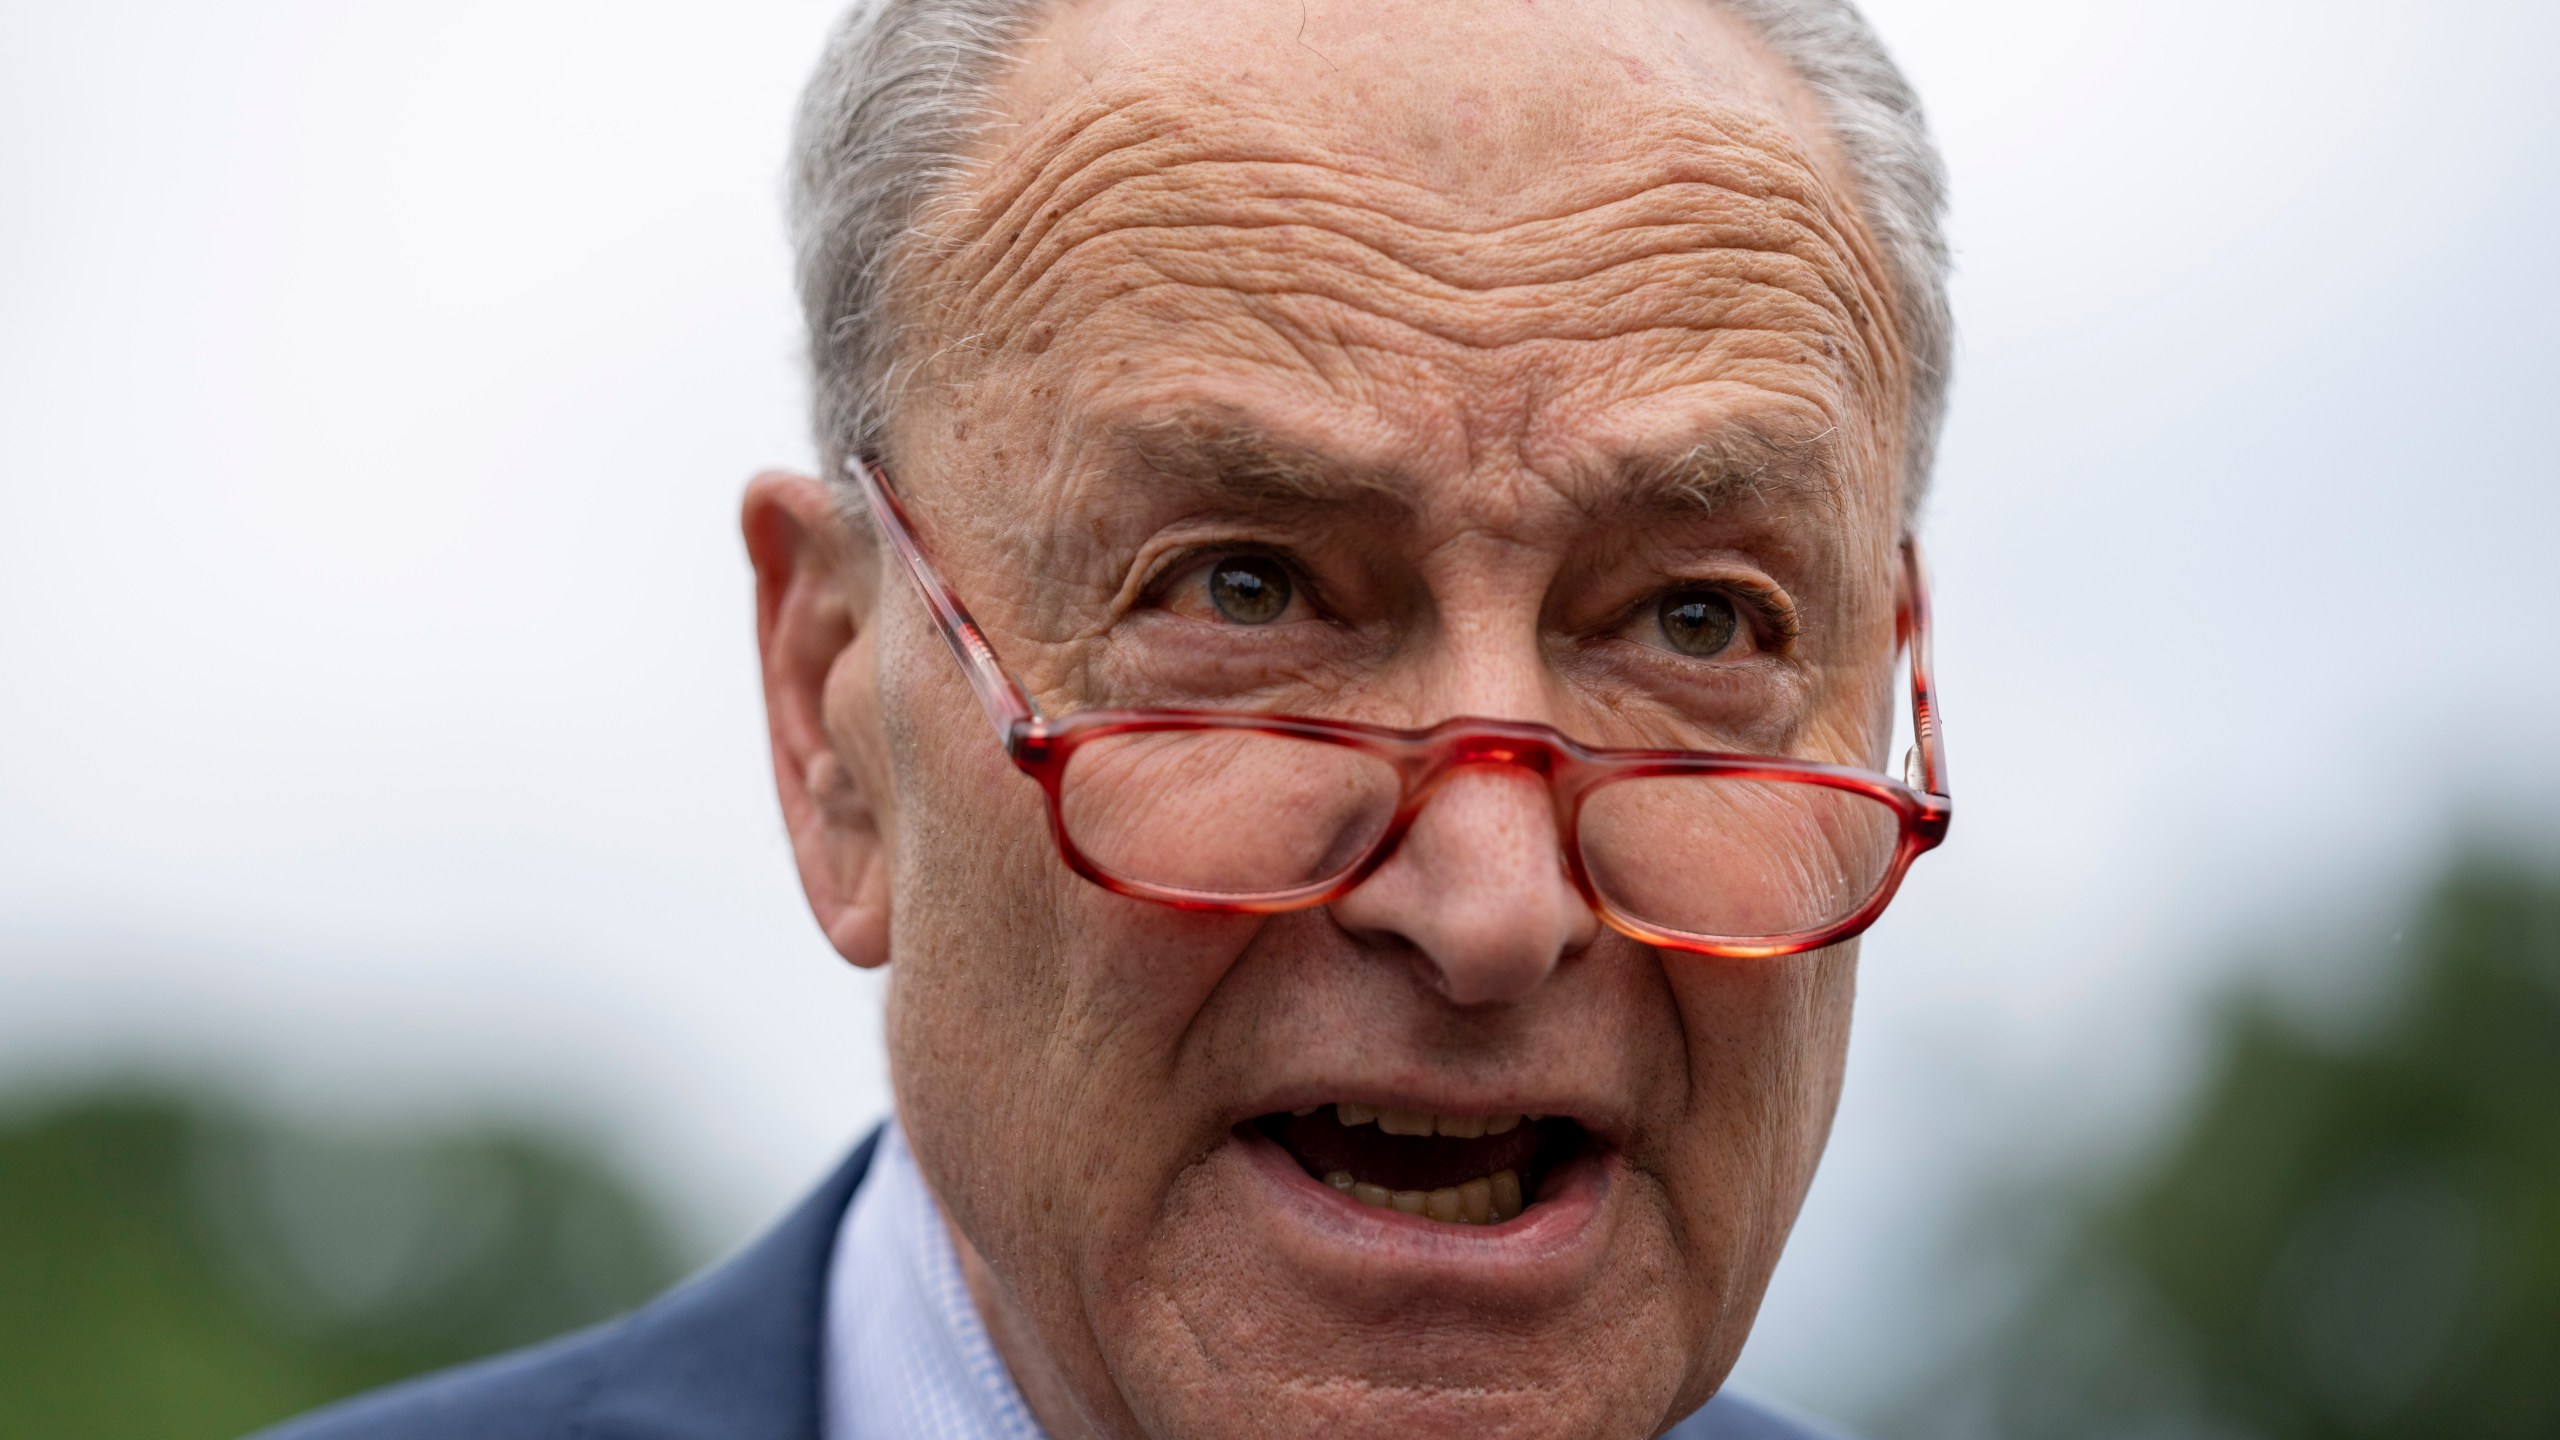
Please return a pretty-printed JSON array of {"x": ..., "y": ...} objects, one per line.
[
  {"x": 1467, "y": 975},
  {"x": 1491, "y": 958}
]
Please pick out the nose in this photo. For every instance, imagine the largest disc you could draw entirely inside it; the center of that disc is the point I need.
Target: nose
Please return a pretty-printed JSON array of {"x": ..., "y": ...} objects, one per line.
[{"x": 1478, "y": 888}]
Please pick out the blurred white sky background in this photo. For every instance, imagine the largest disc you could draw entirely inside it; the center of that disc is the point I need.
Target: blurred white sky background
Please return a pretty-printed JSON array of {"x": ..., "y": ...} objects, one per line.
[{"x": 378, "y": 721}]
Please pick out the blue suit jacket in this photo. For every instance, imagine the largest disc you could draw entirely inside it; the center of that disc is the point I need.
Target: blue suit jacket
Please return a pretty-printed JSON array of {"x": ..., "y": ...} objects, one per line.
[{"x": 733, "y": 1354}]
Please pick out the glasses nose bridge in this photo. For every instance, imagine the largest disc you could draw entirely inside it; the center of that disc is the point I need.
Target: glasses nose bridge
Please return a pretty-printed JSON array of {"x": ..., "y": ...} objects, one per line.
[{"x": 1486, "y": 750}]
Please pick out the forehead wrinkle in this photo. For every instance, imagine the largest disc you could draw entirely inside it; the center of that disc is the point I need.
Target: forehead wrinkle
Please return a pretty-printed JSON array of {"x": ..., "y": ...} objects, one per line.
[
  {"x": 1151, "y": 143},
  {"x": 1114, "y": 200}
]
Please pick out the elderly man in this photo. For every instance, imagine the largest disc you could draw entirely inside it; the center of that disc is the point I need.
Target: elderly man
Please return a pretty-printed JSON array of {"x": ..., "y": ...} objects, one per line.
[{"x": 1345, "y": 659}]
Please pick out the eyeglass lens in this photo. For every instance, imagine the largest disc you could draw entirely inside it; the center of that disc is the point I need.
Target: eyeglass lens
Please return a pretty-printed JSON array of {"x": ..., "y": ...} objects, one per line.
[{"x": 1239, "y": 814}]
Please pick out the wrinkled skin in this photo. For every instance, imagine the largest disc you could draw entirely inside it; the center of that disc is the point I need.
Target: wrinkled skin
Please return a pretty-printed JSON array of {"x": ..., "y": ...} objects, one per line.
[{"x": 1497, "y": 317}]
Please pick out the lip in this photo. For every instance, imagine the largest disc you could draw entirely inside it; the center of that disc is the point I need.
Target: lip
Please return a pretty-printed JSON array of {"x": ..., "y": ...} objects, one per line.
[{"x": 1542, "y": 1254}]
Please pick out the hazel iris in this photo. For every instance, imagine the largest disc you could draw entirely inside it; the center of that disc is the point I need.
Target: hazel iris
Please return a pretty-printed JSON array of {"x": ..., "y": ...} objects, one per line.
[
  {"x": 1699, "y": 622},
  {"x": 1249, "y": 589}
]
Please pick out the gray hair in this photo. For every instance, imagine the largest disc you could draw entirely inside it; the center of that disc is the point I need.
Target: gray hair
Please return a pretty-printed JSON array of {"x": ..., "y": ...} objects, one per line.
[{"x": 905, "y": 87}]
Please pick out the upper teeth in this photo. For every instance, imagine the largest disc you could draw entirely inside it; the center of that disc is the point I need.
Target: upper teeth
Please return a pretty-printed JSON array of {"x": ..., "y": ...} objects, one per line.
[{"x": 1422, "y": 1122}]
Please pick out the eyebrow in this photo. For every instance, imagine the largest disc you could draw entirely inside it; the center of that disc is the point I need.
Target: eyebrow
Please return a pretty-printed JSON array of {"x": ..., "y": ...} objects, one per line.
[
  {"x": 1742, "y": 461},
  {"x": 1255, "y": 469}
]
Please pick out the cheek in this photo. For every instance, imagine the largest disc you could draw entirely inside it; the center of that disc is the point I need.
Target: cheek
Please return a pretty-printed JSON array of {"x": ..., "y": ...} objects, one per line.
[
  {"x": 1036, "y": 1021},
  {"x": 972, "y": 912},
  {"x": 1766, "y": 1040},
  {"x": 1052, "y": 1117}
]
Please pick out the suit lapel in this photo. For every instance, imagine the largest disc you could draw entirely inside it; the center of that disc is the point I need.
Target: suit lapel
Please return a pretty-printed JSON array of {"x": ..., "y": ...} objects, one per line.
[{"x": 738, "y": 1352}]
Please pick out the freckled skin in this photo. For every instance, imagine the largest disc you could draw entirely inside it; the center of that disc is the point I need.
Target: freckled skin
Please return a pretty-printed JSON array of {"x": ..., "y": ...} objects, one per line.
[{"x": 1496, "y": 254}]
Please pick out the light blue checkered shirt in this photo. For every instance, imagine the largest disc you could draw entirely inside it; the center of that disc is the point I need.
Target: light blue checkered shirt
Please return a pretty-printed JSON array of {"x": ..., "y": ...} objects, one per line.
[{"x": 907, "y": 1357}]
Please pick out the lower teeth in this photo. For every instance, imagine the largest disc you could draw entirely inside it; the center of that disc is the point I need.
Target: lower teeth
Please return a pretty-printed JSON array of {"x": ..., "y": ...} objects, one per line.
[{"x": 1488, "y": 1201}]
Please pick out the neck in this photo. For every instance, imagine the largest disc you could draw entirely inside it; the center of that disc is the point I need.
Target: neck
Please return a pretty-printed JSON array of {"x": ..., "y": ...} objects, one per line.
[{"x": 1035, "y": 1372}]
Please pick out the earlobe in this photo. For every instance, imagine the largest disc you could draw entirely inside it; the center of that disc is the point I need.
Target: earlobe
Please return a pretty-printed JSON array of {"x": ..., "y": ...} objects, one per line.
[{"x": 822, "y": 705}]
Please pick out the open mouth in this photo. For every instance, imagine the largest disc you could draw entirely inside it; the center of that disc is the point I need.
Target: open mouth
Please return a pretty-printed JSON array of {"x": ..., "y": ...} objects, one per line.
[{"x": 1456, "y": 1169}]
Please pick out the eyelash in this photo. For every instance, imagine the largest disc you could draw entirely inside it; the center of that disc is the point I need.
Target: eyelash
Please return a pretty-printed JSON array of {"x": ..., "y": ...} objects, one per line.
[{"x": 1776, "y": 621}]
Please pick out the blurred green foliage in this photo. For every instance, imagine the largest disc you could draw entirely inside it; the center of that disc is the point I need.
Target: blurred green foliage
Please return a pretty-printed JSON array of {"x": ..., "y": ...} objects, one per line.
[
  {"x": 2346, "y": 1238},
  {"x": 172, "y": 1270}
]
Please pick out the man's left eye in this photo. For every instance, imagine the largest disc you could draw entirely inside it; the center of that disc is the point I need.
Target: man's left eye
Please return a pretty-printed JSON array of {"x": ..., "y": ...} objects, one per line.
[
  {"x": 1249, "y": 589},
  {"x": 1235, "y": 589},
  {"x": 1699, "y": 623}
]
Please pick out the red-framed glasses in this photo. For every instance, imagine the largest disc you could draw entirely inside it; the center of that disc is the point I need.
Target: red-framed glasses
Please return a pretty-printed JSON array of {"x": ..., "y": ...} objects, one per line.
[{"x": 1249, "y": 813}]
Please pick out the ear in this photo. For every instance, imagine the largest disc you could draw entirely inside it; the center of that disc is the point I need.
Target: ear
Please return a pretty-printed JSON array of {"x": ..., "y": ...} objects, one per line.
[{"x": 822, "y": 704}]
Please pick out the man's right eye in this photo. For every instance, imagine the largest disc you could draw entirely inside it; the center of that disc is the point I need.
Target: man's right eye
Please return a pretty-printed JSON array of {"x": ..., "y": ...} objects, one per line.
[{"x": 1249, "y": 589}]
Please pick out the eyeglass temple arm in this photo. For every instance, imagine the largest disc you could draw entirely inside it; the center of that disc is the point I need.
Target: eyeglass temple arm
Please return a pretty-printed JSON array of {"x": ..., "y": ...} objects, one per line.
[
  {"x": 1008, "y": 706},
  {"x": 1924, "y": 690}
]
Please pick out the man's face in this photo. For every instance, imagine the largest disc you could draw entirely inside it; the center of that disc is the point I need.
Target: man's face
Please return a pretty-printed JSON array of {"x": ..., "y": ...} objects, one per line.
[{"x": 1465, "y": 334}]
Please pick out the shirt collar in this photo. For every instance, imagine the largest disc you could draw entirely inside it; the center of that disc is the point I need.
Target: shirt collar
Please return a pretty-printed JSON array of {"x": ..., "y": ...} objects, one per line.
[{"x": 907, "y": 1357}]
